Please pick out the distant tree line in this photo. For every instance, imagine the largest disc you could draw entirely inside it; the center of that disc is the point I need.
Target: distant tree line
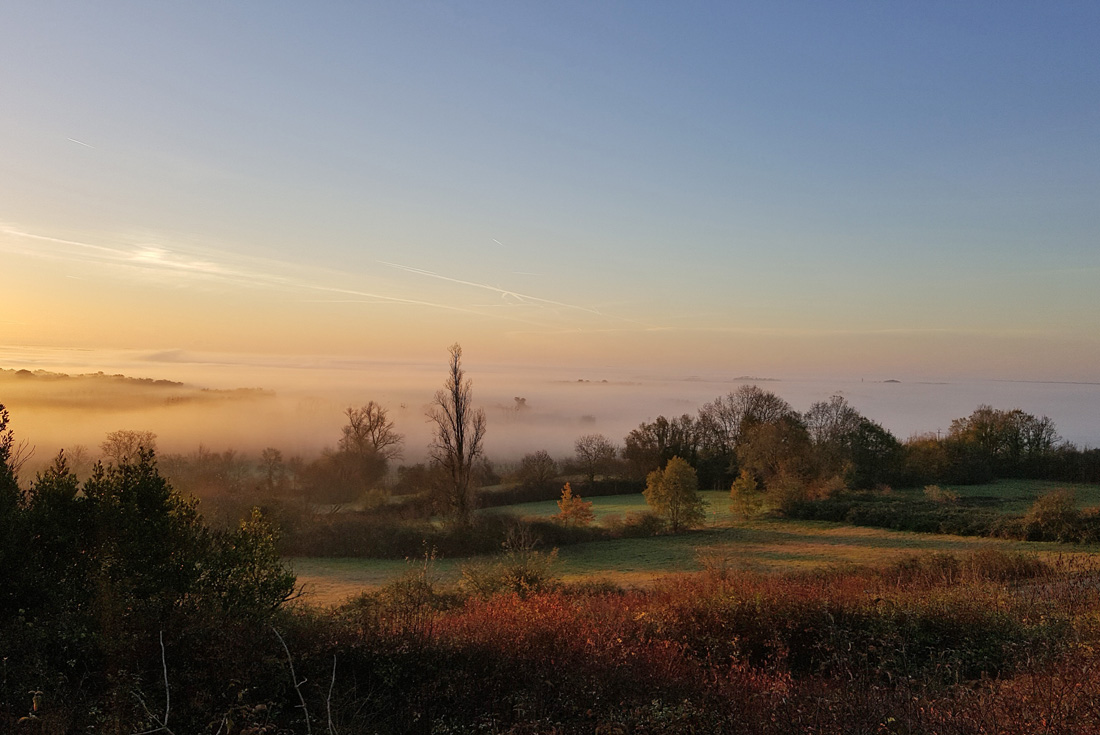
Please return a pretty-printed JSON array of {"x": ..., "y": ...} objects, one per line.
[
  {"x": 754, "y": 430},
  {"x": 749, "y": 441}
]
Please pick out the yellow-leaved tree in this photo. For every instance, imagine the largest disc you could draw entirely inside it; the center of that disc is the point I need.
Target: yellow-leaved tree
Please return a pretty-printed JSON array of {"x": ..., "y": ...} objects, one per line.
[
  {"x": 673, "y": 493},
  {"x": 573, "y": 510},
  {"x": 747, "y": 495}
]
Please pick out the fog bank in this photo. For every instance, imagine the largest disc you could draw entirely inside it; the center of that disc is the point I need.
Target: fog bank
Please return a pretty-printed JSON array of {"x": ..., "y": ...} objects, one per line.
[{"x": 297, "y": 405}]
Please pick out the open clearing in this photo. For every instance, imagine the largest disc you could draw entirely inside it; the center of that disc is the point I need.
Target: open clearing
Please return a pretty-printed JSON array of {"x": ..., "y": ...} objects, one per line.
[{"x": 769, "y": 545}]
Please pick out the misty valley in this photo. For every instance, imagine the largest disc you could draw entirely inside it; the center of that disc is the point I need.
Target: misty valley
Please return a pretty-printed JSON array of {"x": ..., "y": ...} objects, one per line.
[
  {"x": 745, "y": 567},
  {"x": 771, "y": 405}
]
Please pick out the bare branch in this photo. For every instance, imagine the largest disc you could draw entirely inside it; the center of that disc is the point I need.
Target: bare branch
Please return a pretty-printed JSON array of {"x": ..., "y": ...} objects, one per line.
[
  {"x": 162, "y": 722},
  {"x": 328, "y": 700},
  {"x": 369, "y": 429},
  {"x": 20, "y": 453},
  {"x": 122, "y": 446},
  {"x": 294, "y": 680}
]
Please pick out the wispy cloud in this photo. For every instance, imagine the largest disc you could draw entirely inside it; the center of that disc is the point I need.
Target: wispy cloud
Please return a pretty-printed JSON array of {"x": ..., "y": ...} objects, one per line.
[
  {"x": 182, "y": 266},
  {"x": 143, "y": 258}
]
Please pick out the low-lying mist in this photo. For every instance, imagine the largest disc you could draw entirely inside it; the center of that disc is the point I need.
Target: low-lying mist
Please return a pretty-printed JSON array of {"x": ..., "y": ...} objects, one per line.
[{"x": 299, "y": 408}]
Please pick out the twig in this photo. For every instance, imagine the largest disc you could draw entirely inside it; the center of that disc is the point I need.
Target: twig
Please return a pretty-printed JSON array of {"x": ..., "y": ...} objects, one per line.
[
  {"x": 167, "y": 694},
  {"x": 20, "y": 453},
  {"x": 162, "y": 722},
  {"x": 294, "y": 680},
  {"x": 328, "y": 700}
]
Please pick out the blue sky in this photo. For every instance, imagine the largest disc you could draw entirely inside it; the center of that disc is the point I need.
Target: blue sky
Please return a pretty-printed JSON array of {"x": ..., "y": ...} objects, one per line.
[{"x": 781, "y": 187}]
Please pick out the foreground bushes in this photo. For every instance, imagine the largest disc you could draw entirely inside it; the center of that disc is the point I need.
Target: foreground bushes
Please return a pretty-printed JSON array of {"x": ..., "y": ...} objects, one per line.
[
  {"x": 896, "y": 650},
  {"x": 989, "y": 642},
  {"x": 105, "y": 583}
]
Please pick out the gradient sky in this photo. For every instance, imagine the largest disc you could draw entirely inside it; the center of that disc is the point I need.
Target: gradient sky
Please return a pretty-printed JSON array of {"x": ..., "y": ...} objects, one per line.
[{"x": 868, "y": 188}]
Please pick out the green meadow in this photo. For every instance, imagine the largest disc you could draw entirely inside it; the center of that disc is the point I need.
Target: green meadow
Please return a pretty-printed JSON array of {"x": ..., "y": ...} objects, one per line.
[{"x": 770, "y": 545}]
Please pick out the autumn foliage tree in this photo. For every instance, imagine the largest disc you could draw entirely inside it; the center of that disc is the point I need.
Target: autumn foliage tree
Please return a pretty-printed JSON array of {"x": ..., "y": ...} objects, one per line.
[
  {"x": 573, "y": 511},
  {"x": 747, "y": 495},
  {"x": 673, "y": 493}
]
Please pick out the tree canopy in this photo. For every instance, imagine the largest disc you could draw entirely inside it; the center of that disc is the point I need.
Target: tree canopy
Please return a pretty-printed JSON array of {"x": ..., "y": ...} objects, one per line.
[
  {"x": 97, "y": 572},
  {"x": 673, "y": 493}
]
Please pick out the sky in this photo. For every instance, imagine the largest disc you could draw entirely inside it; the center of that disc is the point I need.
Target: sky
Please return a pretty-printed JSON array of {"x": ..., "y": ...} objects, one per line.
[{"x": 890, "y": 190}]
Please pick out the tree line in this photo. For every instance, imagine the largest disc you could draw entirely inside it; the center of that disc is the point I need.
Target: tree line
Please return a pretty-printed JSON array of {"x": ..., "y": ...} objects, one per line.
[{"x": 750, "y": 439}]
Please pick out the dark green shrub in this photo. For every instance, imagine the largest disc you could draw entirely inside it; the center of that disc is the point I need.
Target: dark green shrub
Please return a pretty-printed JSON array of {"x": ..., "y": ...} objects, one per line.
[
  {"x": 121, "y": 579},
  {"x": 1053, "y": 517},
  {"x": 638, "y": 524}
]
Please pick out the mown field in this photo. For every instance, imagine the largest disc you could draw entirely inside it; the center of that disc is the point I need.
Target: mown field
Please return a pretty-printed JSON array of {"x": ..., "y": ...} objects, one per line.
[
  {"x": 726, "y": 542},
  {"x": 1014, "y": 496}
]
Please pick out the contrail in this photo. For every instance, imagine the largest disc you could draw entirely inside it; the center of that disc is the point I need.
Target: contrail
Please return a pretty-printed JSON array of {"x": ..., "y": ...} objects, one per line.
[
  {"x": 191, "y": 263},
  {"x": 379, "y": 298},
  {"x": 522, "y": 298},
  {"x": 80, "y": 142},
  {"x": 155, "y": 258},
  {"x": 8, "y": 230},
  {"x": 141, "y": 257}
]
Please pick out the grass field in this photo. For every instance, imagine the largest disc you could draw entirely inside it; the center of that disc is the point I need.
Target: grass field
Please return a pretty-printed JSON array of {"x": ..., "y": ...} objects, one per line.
[
  {"x": 1014, "y": 495},
  {"x": 718, "y": 502},
  {"x": 769, "y": 545},
  {"x": 1017, "y": 495}
]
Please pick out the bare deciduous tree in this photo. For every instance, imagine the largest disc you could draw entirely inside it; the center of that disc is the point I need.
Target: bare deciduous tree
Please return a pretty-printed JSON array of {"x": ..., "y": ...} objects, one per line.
[
  {"x": 829, "y": 422},
  {"x": 459, "y": 431},
  {"x": 730, "y": 416},
  {"x": 369, "y": 429},
  {"x": 79, "y": 459},
  {"x": 271, "y": 460},
  {"x": 537, "y": 468},
  {"x": 595, "y": 453},
  {"x": 122, "y": 446}
]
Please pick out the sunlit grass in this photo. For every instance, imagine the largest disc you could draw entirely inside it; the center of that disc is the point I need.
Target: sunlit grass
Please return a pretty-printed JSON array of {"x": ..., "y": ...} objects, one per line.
[{"x": 766, "y": 545}]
